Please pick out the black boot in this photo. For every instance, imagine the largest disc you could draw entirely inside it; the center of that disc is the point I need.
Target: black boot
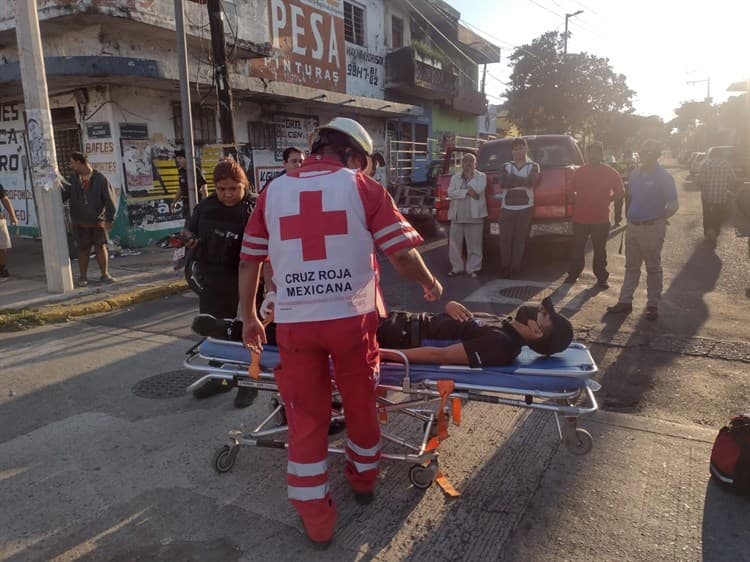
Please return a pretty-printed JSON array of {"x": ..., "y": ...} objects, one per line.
[
  {"x": 217, "y": 328},
  {"x": 212, "y": 387},
  {"x": 245, "y": 397}
]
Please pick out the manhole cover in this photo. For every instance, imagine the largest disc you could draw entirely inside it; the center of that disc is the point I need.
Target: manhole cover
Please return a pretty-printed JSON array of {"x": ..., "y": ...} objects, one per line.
[
  {"x": 171, "y": 384},
  {"x": 520, "y": 292}
]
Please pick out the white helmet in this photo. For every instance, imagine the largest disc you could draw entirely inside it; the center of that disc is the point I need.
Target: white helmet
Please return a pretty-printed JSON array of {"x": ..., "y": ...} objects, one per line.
[{"x": 354, "y": 130}]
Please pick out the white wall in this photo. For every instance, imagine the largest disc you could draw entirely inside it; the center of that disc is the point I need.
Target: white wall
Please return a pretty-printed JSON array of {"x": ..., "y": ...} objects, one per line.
[
  {"x": 249, "y": 18},
  {"x": 365, "y": 65}
]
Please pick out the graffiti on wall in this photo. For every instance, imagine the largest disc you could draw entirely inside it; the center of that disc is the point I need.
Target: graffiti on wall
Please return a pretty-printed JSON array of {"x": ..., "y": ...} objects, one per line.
[{"x": 14, "y": 164}]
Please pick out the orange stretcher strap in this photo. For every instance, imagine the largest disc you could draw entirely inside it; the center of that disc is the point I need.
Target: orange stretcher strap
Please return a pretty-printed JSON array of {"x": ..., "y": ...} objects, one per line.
[
  {"x": 446, "y": 486},
  {"x": 445, "y": 387},
  {"x": 456, "y": 410}
]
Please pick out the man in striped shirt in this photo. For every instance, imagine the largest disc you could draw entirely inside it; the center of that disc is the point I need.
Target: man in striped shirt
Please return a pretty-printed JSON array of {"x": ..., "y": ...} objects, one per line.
[
  {"x": 716, "y": 178},
  {"x": 319, "y": 226}
]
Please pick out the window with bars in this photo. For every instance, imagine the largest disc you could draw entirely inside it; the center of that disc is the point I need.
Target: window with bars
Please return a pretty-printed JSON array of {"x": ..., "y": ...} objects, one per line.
[
  {"x": 261, "y": 135},
  {"x": 204, "y": 124},
  {"x": 67, "y": 135},
  {"x": 354, "y": 23},
  {"x": 397, "y": 32}
]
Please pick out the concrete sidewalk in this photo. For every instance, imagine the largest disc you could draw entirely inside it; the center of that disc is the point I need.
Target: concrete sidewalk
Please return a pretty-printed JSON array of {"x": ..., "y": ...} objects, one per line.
[{"x": 141, "y": 274}]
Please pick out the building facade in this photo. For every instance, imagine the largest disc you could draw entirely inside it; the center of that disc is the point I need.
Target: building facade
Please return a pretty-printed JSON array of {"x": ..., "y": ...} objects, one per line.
[{"x": 113, "y": 82}]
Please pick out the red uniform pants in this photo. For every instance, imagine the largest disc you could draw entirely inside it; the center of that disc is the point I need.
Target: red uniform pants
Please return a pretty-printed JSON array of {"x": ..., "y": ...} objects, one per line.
[{"x": 304, "y": 381}]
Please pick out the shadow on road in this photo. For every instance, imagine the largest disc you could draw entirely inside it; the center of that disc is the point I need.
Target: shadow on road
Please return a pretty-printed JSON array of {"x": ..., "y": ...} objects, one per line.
[
  {"x": 725, "y": 524},
  {"x": 683, "y": 306}
]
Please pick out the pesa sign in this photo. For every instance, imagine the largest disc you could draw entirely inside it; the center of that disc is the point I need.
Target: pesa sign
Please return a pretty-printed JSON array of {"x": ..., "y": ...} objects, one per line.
[{"x": 309, "y": 36}]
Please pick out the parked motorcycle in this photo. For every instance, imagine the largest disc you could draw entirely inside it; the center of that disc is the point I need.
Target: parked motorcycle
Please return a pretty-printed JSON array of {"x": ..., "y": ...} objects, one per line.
[{"x": 183, "y": 258}]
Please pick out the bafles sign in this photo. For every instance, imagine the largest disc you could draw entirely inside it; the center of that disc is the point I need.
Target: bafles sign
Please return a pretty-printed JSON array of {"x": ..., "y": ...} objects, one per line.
[{"x": 309, "y": 36}]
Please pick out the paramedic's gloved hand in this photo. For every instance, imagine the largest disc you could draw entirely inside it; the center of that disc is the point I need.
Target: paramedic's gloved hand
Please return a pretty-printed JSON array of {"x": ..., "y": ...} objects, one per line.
[
  {"x": 266, "y": 307},
  {"x": 253, "y": 334},
  {"x": 457, "y": 311},
  {"x": 433, "y": 293}
]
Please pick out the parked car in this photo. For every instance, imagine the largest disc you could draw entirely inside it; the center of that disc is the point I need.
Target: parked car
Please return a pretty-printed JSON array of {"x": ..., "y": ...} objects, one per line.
[
  {"x": 557, "y": 155},
  {"x": 628, "y": 162},
  {"x": 731, "y": 155},
  {"x": 695, "y": 164}
]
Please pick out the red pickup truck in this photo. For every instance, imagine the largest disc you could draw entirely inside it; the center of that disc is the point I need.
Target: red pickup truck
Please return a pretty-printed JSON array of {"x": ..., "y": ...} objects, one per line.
[{"x": 557, "y": 155}]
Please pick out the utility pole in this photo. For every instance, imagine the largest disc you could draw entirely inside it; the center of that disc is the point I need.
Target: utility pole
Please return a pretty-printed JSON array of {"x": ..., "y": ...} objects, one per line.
[
  {"x": 565, "y": 37},
  {"x": 708, "y": 87},
  {"x": 41, "y": 142},
  {"x": 223, "y": 90},
  {"x": 186, "y": 109}
]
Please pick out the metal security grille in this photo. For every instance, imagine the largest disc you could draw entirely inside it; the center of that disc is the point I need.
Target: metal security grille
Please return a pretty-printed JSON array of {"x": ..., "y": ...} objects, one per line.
[
  {"x": 67, "y": 141},
  {"x": 261, "y": 135},
  {"x": 204, "y": 124},
  {"x": 354, "y": 24},
  {"x": 67, "y": 137}
]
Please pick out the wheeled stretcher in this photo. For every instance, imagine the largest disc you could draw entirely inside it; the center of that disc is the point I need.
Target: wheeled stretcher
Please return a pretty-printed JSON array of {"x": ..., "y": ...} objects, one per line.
[{"x": 429, "y": 394}]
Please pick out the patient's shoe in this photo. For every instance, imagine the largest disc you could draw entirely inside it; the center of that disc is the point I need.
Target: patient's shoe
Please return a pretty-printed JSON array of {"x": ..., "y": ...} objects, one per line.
[
  {"x": 245, "y": 397},
  {"x": 212, "y": 387},
  {"x": 364, "y": 498},
  {"x": 218, "y": 328}
]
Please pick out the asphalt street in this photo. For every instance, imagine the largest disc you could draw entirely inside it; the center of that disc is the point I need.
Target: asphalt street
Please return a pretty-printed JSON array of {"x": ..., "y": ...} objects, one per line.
[{"x": 96, "y": 465}]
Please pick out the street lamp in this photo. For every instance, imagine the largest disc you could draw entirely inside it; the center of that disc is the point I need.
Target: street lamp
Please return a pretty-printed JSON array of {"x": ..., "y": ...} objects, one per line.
[{"x": 567, "y": 17}]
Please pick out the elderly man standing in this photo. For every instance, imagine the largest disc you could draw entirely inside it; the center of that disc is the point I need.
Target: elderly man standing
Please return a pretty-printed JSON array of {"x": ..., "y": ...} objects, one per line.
[
  {"x": 653, "y": 199},
  {"x": 466, "y": 213},
  {"x": 716, "y": 178}
]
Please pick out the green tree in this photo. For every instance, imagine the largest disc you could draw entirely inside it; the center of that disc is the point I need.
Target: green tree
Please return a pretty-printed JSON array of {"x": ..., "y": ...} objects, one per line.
[{"x": 554, "y": 93}]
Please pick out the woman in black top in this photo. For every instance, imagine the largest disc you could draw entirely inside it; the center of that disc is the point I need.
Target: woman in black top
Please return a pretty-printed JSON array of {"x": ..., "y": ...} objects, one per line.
[{"x": 216, "y": 228}]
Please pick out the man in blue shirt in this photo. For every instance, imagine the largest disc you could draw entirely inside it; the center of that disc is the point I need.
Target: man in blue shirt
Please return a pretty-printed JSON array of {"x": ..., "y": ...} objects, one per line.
[{"x": 653, "y": 199}]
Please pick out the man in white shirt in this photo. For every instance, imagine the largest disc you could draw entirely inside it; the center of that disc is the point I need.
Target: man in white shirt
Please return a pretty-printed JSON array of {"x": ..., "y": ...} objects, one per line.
[{"x": 466, "y": 213}]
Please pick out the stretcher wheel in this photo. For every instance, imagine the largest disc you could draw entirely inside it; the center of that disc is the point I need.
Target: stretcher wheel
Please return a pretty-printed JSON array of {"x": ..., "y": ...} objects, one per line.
[
  {"x": 422, "y": 477},
  {"x": 581, "y": 444},
  {"x": 224, "y": 459}
]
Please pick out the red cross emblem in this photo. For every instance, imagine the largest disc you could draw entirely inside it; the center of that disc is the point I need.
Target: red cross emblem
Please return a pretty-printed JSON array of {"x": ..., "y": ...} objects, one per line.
[{"x": 312, "y": 225}]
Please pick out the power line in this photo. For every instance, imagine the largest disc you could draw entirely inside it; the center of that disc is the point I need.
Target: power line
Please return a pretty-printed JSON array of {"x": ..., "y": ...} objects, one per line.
[
  {"x": 446, "y": 54},
  {"x": 467, "y": 57},
  {"x": 574, "y": 22},
  {"x": 498, "y": 79},
  {"x": 585, "y": 7},
  {"x": 543, "y": 7},
  {"x": 475, "y": 28}
]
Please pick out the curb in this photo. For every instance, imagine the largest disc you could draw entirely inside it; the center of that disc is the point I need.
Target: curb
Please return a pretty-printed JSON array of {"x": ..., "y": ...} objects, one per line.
[{"x": 18, "y": 320}]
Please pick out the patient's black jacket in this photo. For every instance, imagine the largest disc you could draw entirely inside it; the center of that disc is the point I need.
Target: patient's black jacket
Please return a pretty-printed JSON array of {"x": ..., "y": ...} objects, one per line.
[{"x": 489, "y": 340}]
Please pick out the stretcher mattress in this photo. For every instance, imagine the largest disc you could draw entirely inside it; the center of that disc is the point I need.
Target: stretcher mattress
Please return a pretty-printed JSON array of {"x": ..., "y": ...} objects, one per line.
[{"x": 566, "y": 371}]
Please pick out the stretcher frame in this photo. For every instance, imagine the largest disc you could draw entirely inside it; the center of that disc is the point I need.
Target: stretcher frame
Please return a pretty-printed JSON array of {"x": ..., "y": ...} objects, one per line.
[{"x": 420, "y": 400}]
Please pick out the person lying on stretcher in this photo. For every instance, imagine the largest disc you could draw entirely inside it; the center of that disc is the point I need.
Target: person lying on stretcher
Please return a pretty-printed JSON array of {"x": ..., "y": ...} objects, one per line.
[{"x": 474, "y": 339}]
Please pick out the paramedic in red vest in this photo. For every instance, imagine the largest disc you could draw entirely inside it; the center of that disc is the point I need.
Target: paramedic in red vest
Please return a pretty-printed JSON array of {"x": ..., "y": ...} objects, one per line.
[{"x": 319, "y": 227}]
